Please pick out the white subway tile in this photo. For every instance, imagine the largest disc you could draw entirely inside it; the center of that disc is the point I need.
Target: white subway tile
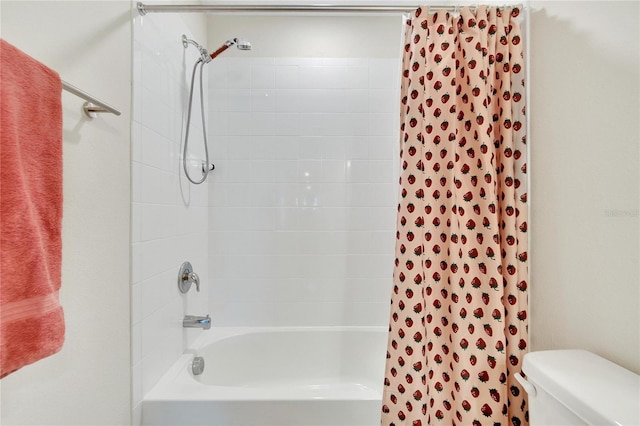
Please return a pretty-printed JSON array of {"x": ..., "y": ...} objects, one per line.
[
  {"x": 239, "y": 100},
  {"x": 283, "y": 243},
  {"x": 336, "y": 219},
  {"x": 218, "y": 73},
  {"x": 309, "y": 148},
  {"x": 218, "y": 100},
  {"x": 333, "y": 149},
  {"x": 287, "y": 124},
  {"x": 154, "y": 113},
  {"x": 251, "y": 195},
  {"x": 155, "y": 257},
  {"x": 357, "y": 147},
  {"x": 382, "y": 125},
  {"x": 253, "y": 219},
  {"x": 383, "y": 74},
  {"x": 312, "y": 101},
  {"x": 333, "y": 171},
  {"x": 286, "y": 194},
  {"x": 313, "y": 77},
  {"x": 285, "y": 147},
  {"x": 371, "y": 314},
  {"x": 263, "y": 76},
  {"x": 218, "y": 123},
  {"x": 383, "y": 171},
  {"x": 248, "y": 148},
  {"x": 152, "y": 370},
  {"x": 152, "y": 332},
  {"x": 288, "y": 101},
  {"x": 152, "y": 295},
  {"x": 309, "y": 194},
  {"x": 263, "y": 100},
  {"x": 287, "y": 76},
  {"x": 283, "y": 171},
  {"x": 152, "y": 222},
  {"x": 361, "y": 194},
  {"x": 369, "y": 290},
  {"x": 238, "y": 75},
  {"x": 382, "y": 242},
  {"x": 286, "y": 219},
  {"x": 254, "y": 123},
  {"x": 383, "y": 101},
  {"x": 311, "y": 219},
  {"x": 312, "y": 124},
  {"x": 382, "y": 147},
  {"x": 357, "y": 170},
  {"x": 333, "y": 194},
  {"x": 333, "y": 78},
  {"x": 309, "y": 171},
  {"x": 345, "y": 124},
  {"x": 357, "y": 77}
]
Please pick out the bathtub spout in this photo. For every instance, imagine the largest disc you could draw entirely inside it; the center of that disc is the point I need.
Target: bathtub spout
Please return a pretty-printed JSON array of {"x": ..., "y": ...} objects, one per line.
[{"x": 192, "y": 321}]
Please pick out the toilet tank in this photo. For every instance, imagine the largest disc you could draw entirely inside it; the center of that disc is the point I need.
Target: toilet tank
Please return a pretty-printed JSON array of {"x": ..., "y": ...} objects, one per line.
[{"x": 576, "y": 387}]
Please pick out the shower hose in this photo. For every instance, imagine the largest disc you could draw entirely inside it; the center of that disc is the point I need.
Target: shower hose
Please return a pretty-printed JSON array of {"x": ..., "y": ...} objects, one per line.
[{"x": 206, "y": 167}]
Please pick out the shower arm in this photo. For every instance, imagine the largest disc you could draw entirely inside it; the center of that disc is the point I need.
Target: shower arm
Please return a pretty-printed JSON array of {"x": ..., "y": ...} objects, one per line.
[{"x": 203, "y": 52}]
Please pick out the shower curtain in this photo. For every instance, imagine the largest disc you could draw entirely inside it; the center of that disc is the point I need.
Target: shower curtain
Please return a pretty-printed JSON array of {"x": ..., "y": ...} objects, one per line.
[{"x": 458, "y": 323}]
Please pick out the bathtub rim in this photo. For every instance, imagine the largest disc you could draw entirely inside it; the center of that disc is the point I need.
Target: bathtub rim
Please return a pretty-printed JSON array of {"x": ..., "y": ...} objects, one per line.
[
  {"x": 221, "y": 333},
  {"x": 178, "y": 384}
]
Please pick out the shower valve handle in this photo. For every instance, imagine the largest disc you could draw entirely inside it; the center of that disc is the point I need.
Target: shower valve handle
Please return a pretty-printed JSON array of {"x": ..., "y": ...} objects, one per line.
[
  {"x": 186, "y": 277},
  {"x": 194, "y": 278}
]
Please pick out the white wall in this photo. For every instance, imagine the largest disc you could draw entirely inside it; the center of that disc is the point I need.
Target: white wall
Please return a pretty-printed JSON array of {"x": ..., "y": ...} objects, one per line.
[
  {"x": 316, "y": 35},
  {"x": 304, "y": 131},
  {"x": 169, "y": 220},
  {"x": 585, "y": 137},
  {"x": 88, "y": 382}
]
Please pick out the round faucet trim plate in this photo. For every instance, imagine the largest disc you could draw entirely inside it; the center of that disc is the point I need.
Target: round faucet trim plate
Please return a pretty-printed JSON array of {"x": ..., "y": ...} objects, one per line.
[{"x": 184, "y": 283}]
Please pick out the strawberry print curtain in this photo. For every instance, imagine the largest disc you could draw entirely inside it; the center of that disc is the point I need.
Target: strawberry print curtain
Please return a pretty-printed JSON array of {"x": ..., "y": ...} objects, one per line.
[{"x": 458, "y": 323}]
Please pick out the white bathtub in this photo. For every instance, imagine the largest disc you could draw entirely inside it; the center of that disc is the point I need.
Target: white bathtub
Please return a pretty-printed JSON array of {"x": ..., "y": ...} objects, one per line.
[{"x": 281, "y": 376}]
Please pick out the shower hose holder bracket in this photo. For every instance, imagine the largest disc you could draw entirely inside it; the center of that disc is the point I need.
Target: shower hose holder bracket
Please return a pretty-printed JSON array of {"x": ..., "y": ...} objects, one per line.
[{"x": 206, "y": 168}]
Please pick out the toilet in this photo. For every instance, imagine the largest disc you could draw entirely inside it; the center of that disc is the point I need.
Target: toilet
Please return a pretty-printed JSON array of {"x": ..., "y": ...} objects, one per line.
[{"x": 576, "y": 387}]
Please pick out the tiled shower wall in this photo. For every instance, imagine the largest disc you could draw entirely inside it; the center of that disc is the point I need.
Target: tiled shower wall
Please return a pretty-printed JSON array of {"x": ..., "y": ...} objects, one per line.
[
  {"x": 169, "y": 216},
  {"x": 304, "y": 195},
  {"x": 294, "y": 227}
]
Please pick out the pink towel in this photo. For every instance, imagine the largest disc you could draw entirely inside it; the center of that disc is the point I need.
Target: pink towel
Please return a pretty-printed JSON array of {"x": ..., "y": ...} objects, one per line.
[{"x": 31, "y": 318}]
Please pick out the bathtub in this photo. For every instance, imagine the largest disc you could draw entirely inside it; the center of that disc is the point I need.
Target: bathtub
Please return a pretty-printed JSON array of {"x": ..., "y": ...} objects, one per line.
[{"x": 280, "y": 376}]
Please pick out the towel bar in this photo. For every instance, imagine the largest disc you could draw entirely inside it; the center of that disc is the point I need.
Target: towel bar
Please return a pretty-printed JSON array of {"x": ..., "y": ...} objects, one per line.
[{"x": 93, "y": 105}]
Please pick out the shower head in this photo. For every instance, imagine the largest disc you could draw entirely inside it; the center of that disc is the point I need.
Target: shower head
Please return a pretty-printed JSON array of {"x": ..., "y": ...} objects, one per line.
[
  {"x": 240, "y": 44},
  {"x": 206, "y": 56}
]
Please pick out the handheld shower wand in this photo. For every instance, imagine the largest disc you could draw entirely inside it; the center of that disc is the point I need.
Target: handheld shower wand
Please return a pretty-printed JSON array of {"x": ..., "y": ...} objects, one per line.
[
  {"x": 205, "y": 58},
  {"x": 240, "y": 44}
]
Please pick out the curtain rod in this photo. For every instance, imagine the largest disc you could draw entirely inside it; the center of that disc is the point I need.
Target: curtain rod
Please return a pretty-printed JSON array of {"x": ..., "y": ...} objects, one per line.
[{"x": 143, "y": 9}]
